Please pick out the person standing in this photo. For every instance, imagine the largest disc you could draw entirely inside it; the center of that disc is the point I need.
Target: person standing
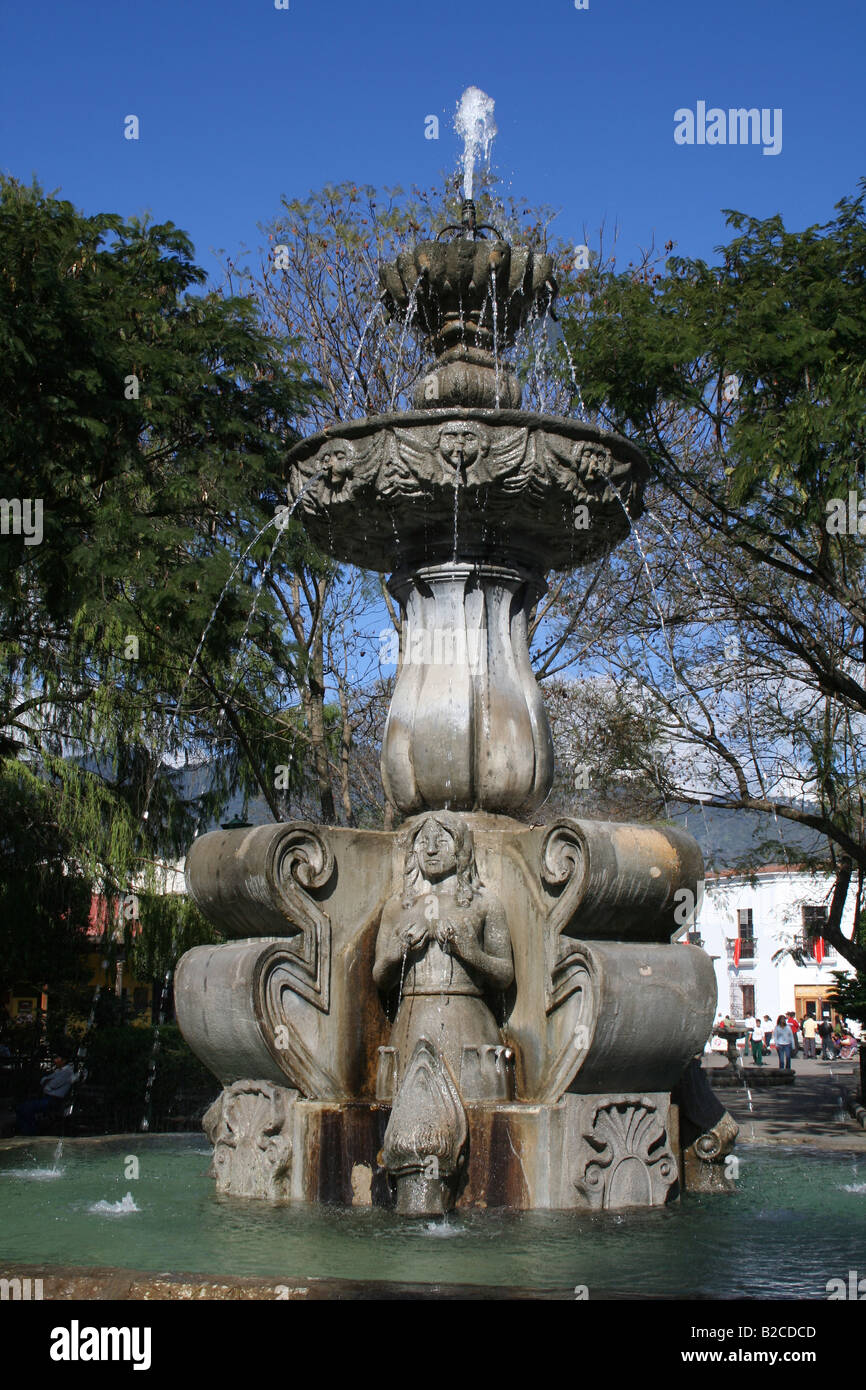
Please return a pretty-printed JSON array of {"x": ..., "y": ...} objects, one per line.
[
  {"x": 784, "y": 1040},
  {"x": 810, "y": 1032},
  {"x": 768, "y": 1032},
  {"x": 795, "y": 1031},
  {"x": 757, "y": 1040},
  {"x": 825, "y": 1032}
]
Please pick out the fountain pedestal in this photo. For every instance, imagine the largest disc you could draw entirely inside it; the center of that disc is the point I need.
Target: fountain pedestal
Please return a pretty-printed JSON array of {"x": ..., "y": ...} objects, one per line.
[
  {"x": 596, "y": 1025},
  {"x": 467, "y": 729}
]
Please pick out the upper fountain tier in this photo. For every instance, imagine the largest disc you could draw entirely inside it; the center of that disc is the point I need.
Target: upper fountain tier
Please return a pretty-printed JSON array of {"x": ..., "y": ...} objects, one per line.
[{"x": 467, "y": 476}]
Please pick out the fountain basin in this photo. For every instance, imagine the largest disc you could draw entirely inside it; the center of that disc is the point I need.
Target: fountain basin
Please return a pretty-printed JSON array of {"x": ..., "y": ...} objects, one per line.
[
  {"x": 797, "y": 1220},
  {"x": 397, "y": 491},
  {"x": 468, "y": 291}
]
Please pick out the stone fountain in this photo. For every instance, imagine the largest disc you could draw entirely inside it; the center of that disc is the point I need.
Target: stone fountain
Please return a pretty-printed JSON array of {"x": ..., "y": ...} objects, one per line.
[{"x": 474, "y": 1010}]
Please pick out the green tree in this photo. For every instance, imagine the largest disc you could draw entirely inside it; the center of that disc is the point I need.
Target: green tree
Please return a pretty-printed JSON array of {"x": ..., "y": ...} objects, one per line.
[
  {"x": 746, "y": 635},
  {"x": 147, "y": 418}
]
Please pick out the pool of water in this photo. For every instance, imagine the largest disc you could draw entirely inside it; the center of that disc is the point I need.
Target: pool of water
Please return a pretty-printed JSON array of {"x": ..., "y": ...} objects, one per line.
[{"x": 797, "y": 1219}]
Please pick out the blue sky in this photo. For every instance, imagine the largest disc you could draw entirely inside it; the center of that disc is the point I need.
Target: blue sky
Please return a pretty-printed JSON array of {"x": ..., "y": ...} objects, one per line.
[{"x": 239, "y": 103}]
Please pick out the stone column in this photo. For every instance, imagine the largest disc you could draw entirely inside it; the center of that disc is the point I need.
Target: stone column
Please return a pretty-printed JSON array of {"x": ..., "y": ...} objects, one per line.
[{"x": 467, "y": 729}]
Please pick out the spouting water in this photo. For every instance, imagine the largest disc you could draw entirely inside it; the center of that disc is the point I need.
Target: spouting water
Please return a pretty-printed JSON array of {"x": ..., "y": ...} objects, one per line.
[
  {"x": 474, "y": 122},
  {"x": 154, "y": 1054},
  {"x": 495, "y": 331},
  {"x": 376, "y": 310},
  {"x": 161, "y": 745},
  {"x": 280, "y": 520},
  {"x": 408, "y": 317},
  {"x": 124, "y": 1207}
]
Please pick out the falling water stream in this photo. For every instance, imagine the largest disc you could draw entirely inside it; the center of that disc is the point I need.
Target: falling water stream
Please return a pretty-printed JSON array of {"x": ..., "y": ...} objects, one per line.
[{"x": 147, "y": 1113}]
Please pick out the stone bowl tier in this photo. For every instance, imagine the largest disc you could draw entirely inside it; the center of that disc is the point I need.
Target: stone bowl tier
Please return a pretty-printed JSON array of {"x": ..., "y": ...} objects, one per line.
[
  {"x": 424, "y": 487},
  {"x": 468, "y": 292}
]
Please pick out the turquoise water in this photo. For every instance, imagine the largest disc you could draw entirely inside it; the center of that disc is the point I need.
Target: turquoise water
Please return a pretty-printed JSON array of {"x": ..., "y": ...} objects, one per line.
[{"x": 797, "y": 1219}]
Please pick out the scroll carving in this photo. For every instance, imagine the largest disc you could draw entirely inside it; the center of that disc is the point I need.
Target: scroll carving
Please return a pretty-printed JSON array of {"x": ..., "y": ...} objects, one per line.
[
  {"x": 564, "y": 871},
  {"x": 625, "y": 1159},
  {"x": 249, "y": 1126},
  {"x": 299, "y": 862}
]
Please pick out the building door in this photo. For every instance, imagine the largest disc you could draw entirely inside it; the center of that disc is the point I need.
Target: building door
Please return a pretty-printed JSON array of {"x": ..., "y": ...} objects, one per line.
[
  {"x": 748, "y": 1001},
  {"x": 812, "y": 1000}
]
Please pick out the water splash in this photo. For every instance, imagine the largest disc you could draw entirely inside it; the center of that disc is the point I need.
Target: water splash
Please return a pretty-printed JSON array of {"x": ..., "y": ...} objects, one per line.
[
  {"x": 33, "y": 1174},
  {"x": 443, "y": 1229},
  {"x": 474, "y": 122},
  {"x": 122, "y": 1208}
]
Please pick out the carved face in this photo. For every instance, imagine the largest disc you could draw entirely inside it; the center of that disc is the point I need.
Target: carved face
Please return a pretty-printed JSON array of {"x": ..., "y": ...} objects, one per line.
[
  {"x": 459, "y": 444},
  {"x": 596, "y": 466},
  {"x": 338, "y": 461},
  {"x": 435, "y": 851}
]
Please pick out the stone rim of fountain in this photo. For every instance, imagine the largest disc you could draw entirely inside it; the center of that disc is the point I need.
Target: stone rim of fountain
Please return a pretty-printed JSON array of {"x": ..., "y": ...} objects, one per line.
[{"x": 514, "y": 490}]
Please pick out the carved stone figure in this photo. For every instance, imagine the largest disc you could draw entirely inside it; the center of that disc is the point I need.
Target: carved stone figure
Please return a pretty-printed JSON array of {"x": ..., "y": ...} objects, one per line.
[
  {"x": 444, "y": 943},
  {"x": 426, "y": 1135},
  {"x": 460, "y": 444},
  {"x": 626, "y": 1161},
  {"x": 249, "y": 1126}
]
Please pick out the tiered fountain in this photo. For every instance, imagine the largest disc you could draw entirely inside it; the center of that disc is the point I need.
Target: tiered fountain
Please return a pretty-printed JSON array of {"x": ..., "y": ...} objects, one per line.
[{"x": 475, "y": 1010}]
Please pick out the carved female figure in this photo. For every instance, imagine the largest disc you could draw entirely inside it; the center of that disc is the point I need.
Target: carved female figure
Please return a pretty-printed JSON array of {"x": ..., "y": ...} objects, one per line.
[{"x": 444, "y": 939}]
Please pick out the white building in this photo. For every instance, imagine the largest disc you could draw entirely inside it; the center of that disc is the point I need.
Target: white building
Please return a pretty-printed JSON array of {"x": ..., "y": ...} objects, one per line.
[{"x": 746, "y": 918}]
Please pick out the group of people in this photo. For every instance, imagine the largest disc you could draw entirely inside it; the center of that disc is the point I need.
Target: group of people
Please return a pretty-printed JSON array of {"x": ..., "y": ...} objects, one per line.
[{"x": 791, "y": 1036}]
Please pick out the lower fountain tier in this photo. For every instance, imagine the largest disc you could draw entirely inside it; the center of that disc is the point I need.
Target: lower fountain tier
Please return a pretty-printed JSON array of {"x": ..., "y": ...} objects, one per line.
[
  {"x": 597, "y": 997},
  {"x": 591, "y": 1153}
]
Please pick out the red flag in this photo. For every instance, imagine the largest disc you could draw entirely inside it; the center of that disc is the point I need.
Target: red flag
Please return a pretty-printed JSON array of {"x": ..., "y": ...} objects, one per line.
[
  {"x": 819, "y": 949},
  {"x": 738, "y": 946}
]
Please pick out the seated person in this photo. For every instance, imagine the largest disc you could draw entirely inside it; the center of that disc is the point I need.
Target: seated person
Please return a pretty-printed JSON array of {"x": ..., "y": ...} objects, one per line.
[{"x": 55, "y": 1088}]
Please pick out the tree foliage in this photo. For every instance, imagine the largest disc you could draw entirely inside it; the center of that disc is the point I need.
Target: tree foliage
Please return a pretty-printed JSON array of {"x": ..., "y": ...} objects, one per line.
[
  {"x": 148, "y": 416},
  {"x": 746, "y": 626}
]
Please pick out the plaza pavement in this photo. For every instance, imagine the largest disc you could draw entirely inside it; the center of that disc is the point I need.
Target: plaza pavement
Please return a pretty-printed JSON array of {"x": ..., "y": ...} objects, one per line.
[{"x": 812, "y": 1112}]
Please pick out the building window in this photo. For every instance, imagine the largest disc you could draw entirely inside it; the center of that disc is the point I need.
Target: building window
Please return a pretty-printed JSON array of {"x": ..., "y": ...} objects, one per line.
[
  {"x": 814, "y": 919},
  {"x": 746, "y": 933}
]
